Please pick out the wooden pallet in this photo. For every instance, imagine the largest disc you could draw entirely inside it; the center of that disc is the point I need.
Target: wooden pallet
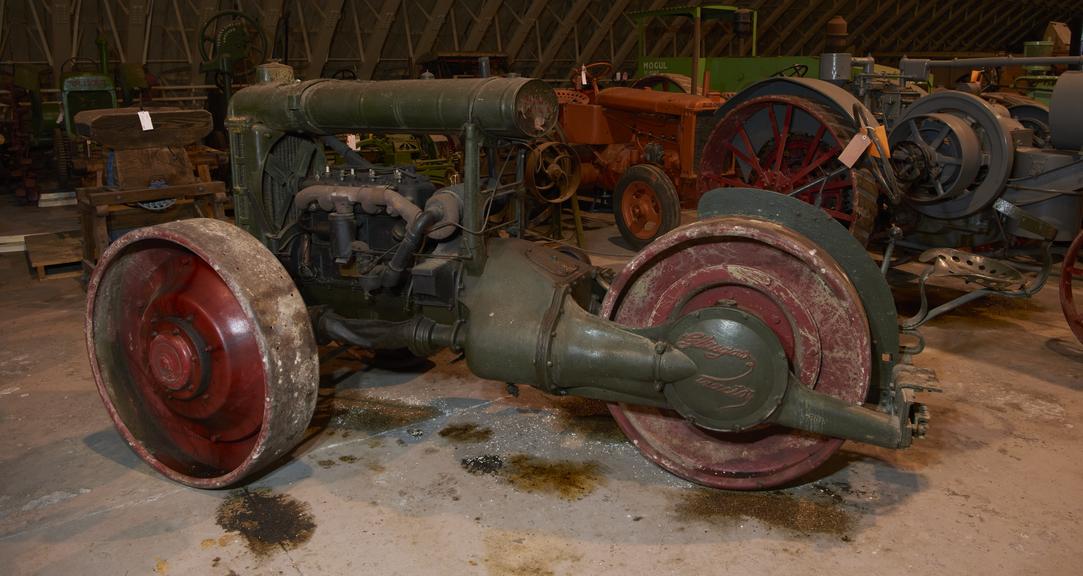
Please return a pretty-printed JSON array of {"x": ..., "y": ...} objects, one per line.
[
  {"x": 56, "y": 255},
  {"x": 15, "y": 243}
]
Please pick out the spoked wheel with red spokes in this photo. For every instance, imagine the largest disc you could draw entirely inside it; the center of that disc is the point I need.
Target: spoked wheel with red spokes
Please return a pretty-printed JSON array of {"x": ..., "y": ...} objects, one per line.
[
  {"x": 790, "y": 284},
  {"x": 202, "y": 351},
  {"x": 791, "y": 145},
  {"x": 1070, "y": 273}
]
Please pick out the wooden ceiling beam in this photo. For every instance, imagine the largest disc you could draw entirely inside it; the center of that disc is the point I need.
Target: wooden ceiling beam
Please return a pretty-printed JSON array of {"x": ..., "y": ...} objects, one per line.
[
  {"x": 433, "y": 27},
  {"x": 632, "y": 39},
  {"x": 605, "y": 27},
  {"x": 522, "y": 31},
  {"x": 375, "y": 45},
  {"x": 784, "y": 35},
  {"x": 481, "y": 24},
  {"x": 556, "y": 40}
]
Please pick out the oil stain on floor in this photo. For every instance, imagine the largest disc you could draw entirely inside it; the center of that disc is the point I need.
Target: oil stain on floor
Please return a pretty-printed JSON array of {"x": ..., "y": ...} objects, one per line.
[
  {"x": 370, "y": 415},
  {"x": 484, "y": 464},
  {"x": 566, "y": 479},
  {"x": 563, "y": 478},
  {"x": 797, "y": 514},
  {"x": 590, "y": 419},
  {"x": 268, "y": 522},
  {"x": 468, "y": 432},
  {"x": 510, "y": 554}
]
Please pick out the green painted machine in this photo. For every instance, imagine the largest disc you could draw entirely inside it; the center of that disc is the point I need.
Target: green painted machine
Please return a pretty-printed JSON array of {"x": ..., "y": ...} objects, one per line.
[
  {"x": 739, "y": 351},
  {"x": 420, "y": 151},
  {"x": 725, "y": 74}
]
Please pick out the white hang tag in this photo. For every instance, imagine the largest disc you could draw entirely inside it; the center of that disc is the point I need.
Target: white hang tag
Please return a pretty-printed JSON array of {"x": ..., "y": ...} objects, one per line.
[
  {"x": 583, "y": 76},
  {"x": 144, "y": 120},
  {"x": 853, "y": 151}
]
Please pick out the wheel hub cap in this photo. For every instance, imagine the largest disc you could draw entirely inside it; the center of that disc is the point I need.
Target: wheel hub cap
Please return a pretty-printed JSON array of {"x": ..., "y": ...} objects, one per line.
[
  {"x": 176, "y": 356},
  {"x": 743, "y": 370}
]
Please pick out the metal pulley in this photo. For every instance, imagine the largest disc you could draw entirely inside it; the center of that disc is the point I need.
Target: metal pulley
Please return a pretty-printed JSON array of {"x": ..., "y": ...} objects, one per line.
[
  {"x": 953, "y": 152},
  {"x": 938, "y": 155},
  {"x": 552, "y": 172}
]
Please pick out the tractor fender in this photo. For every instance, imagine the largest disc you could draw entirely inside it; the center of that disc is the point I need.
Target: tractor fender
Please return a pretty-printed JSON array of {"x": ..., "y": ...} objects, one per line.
[{"x": 825, "y": 93}]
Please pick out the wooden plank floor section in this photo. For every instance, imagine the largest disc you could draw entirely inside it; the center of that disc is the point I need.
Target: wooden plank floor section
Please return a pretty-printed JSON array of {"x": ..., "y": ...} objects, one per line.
[{"x": 48, "y": 251}]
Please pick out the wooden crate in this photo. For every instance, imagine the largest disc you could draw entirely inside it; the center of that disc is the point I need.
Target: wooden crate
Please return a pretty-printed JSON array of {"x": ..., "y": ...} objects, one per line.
[
  {"x": 104, "y": 211},
  {"x": 56, "y": 255}
]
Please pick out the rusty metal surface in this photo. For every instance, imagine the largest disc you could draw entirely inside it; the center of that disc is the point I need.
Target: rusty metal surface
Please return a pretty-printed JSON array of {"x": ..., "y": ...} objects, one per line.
[
  {"x": 629, "y": 127},
  {"x": 655, "y": 101},
  {"x": 552, "y": 172},
  {"x": 206, "y": 292},
  {"x": 788, "y": 282}
]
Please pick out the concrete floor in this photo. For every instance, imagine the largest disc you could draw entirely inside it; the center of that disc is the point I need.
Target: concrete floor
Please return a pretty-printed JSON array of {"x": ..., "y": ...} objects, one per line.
[{"x": 377, "y": 489}]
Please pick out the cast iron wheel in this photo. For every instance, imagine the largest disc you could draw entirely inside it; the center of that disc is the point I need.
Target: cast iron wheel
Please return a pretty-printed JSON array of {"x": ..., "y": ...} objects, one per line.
[
  {"x": 202, "y": 351},
  {"x": 552, "y": 172},
  {"x": 1067, "y": 299},
  {"x": 783, "y": 143},
  {"x": 238, "y": 37},
  {"x": 1036, "y": 118},
  {"x": 989, "y": 149},
  {"x": 788, "y": 282},
  {"x": 646, "y": 205}
]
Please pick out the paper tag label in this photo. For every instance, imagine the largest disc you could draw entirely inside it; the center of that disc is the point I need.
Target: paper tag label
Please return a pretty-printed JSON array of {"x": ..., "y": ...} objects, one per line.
[
  {"x": 144, "y": 120},
  {"x": 583, "y": 76},
  {"x": 857, "y": 146}
]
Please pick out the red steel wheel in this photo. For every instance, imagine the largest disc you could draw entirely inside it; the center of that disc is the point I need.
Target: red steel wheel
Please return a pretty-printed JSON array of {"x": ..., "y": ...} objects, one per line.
[
  {"x": 646, "y": 205},
  {"x": 793, "y": 286},
  {"x": 1067, "y": 298},
  {"x": 782, "y": 143},
  {"x": 202, "y": 350}
]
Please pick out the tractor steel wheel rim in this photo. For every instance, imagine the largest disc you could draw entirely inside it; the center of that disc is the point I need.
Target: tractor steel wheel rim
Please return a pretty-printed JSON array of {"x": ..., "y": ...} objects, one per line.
[
  {"x": 1067, "y": 297},
  {"x": 782, "y": 143},
  {"x": 183, "y": 357},
  {"x": 640, "y": 210},
  {"x": 790, "y": 284}
]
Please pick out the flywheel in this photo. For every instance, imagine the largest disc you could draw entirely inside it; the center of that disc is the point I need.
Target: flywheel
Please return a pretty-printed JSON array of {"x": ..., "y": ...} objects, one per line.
[
  {"x": 552, "y": 172},
  {"x": 953, "y": 153},
  {"x": 202, "y": 350}
]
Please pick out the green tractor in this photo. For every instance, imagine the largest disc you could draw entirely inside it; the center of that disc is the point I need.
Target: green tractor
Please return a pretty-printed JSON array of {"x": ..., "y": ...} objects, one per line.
[{"x": 723, "y": 74}]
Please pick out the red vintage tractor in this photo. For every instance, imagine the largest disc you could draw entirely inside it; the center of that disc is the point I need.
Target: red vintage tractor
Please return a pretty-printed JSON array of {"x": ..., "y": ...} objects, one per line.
[{"x": 642, "y": 144}]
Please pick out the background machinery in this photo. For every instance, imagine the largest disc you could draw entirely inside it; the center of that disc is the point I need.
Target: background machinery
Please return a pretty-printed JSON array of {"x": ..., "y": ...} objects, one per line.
[
  {"x": 723, "y": 74},
  {"x": 949, "y": 176},
  {"x": 231, "y": 44},
  {"x": 727, "y": 348},
  {"x": 639, "y": 143}
]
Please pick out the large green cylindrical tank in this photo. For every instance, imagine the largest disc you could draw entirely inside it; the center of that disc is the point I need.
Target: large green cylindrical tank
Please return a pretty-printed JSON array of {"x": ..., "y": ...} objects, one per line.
[{"x": 508, "y": 107}]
